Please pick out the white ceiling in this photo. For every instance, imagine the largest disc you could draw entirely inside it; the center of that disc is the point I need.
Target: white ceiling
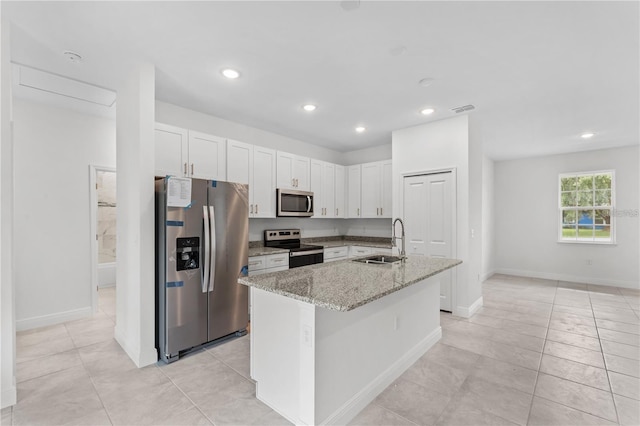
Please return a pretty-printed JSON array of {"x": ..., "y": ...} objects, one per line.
[{"x": 539, "y": 73}]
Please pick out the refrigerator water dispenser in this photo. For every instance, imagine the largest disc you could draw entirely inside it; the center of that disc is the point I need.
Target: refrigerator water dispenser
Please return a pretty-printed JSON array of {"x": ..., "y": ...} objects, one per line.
[{"x": 188, "y": 253}]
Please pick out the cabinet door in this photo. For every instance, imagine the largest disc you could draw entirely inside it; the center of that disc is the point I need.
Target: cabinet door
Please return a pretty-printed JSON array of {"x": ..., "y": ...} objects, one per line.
[
  {"x": 301, "y": 172},
  {"x": 387, "y": 177},
  {"x": 263, "y": 188},
  {"x": 371, "y": 188},
  {"x": 239, "y": 159},
  {"x": 316, "y": 187},
  {"x": 339, "y": 192},
  {"x": 207, "y": 156},
  {"x": 328, "y": 189},
  {"x": 353, "y": 191},
  {"x": 170, "y": 150},
  {"x": 285, "y": 170}
]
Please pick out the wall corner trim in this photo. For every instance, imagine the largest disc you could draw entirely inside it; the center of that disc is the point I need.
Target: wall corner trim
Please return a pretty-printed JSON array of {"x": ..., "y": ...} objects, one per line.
[{"x": 465, "y": 312}]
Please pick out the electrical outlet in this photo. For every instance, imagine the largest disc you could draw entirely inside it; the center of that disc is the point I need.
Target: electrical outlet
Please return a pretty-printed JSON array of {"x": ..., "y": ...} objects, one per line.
[{"x": 589, "y": 262}]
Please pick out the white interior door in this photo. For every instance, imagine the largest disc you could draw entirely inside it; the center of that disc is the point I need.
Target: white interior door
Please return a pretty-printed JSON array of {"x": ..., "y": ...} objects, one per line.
[{"x": 428, "y": 215}]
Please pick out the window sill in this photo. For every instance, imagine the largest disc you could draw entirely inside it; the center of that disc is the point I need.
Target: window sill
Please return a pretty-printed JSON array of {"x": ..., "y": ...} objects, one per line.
[{"x": 591, "y": 242}]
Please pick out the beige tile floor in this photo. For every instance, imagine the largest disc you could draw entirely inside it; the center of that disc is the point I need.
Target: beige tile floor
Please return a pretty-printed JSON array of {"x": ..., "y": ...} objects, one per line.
[{"x": 539, "y": 353}]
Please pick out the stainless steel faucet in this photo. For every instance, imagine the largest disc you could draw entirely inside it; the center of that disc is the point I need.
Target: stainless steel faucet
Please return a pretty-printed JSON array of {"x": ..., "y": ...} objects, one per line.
[{"x": 403, "y": 253}]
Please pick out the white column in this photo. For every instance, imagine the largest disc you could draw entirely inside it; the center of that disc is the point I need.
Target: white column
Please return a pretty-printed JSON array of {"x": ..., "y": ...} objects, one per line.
[
  {"x": 7, "y": 298},
  {"x": 135, "y": 296}
]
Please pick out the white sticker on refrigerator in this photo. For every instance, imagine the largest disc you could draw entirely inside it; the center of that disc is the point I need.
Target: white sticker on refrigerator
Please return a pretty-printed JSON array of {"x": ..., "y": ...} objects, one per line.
[{"x": 178, "y": 192}]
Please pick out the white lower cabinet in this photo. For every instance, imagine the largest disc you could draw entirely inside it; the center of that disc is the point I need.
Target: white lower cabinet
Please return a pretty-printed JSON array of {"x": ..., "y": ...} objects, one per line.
[
  {"x": 268, "y": 263},
  {"x": 331, "y": 254}
]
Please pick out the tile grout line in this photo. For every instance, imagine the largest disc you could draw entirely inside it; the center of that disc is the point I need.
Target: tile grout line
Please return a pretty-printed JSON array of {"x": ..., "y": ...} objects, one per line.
[
  {"x": 84, "y": 367},
  {"x": 606, "y": 369},
  {"x": 535, "y": 385},
  {"x": 186, "y": 396}
]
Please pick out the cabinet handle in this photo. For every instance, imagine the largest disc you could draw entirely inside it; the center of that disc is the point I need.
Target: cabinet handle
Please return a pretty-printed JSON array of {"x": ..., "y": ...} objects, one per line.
[
  {"x": 293, "y": 182},
  {"x": 358, "y": 211},
  {"x": 336, "y": 212},
  {"x": 251, "y": 209},
  {"x": 257, "y": 262},
  {"x": 185, "y": 169},
  {"x": 191, "y": 169},
  {"x": 277, "y": 260},
  {"x": 256, "y": 209},
  {"x": 380, "y": 211}
]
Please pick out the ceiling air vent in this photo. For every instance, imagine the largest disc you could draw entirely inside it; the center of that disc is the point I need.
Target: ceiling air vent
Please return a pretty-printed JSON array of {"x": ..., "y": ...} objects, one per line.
[{"x": 463, "y": 108}]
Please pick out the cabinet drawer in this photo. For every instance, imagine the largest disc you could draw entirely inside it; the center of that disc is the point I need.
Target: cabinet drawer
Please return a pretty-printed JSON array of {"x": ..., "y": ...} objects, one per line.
[
  {"x": 336, "y": 252},
  {"x": 257, "y": 263},
  {"x": 356, "y": 251},
  {"x": 277, "y": 260}
]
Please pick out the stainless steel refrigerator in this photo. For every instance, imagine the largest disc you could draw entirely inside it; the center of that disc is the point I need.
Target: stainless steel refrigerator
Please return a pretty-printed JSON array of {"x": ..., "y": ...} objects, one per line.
[{"x": 201, "y": 250}]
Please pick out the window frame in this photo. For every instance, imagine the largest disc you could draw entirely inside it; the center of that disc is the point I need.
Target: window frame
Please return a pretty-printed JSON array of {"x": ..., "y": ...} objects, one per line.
[{"x": 561, "y": 209}]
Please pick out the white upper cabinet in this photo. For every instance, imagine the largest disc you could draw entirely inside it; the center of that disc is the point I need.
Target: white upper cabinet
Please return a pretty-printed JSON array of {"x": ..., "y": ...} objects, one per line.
[
  {"x": 255, "y": 166},
  {"x": 264, "y": 182},
  {"x": 376, "y": 189},
  {"x": 353, "y": 191},
  {"x": 326, "y": 183},
  {"x": 293, "y": 171},
  {"x": 171, "y": 150},
  {"x": 340, "y": 189},
  {"x": 185, "y": 153},
  {"x": 207, "y": 156}
]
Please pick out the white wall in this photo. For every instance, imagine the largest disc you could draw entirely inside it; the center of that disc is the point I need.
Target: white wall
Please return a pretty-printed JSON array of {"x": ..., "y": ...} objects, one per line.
[
  {"x": 189, "y": 119},
  {"x": 366, "y": 155},
  {"x": 440, "y": 145},
  {"x": 53, "y": 150},
  {"x": 135, "y": 192},
  {"x": 8, "y": 392},
  {"x": 526, "y": 218},
  {"x": 322, "y": 227},
  {"x": 488, "y": 219}
]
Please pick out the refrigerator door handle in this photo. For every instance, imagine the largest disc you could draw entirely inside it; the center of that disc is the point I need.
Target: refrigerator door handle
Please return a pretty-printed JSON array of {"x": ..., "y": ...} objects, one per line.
[
  {"x": 207, "y": 254},
  {"x": 212, "y": 259}
]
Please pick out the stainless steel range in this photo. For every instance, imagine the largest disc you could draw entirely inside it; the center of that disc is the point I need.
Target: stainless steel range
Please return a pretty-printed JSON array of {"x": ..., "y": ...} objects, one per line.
[{"x": 299, "y": 254}]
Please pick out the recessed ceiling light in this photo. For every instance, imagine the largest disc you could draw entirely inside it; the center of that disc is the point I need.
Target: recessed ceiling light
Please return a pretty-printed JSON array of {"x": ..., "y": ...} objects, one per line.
[
  {"x": 426, "y": 81},
  {"x": 309, "y": 107},
  {"x": 350, "y": 5},
  {"x": 587, "y": 135},
  {"x": 230, "y": 73},
  {"x": 360, "y": 129},
  {"x": 72, "y": 56},
  {"x": 427, "y": 111}
]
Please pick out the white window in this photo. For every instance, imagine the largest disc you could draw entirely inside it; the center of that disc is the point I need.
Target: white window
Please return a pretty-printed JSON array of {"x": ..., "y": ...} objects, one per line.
[{"x": 586, "y": 206}]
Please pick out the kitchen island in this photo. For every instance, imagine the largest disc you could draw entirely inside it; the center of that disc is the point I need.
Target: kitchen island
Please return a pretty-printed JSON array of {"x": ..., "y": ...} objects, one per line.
[{"x": 326, "y": 339}]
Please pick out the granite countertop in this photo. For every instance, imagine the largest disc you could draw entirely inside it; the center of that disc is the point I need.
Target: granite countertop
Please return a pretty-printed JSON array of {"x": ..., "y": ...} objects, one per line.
[
  {"x": 345, "y": 285},
  {"x": 261, "y": 251}
]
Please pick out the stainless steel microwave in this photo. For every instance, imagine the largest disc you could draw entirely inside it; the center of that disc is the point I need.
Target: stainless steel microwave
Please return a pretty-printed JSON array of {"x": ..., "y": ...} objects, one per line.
[{"x": 294, "y": 203}]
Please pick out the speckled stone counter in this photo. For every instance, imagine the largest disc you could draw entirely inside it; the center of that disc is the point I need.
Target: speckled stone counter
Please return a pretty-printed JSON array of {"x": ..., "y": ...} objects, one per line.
[
  {"x": 346, "y": 285},
  {"x": 260, "y": 251}
]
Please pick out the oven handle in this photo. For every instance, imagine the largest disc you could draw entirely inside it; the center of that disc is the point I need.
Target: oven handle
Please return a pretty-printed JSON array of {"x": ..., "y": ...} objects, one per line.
[{"x": 305, "y": 253}]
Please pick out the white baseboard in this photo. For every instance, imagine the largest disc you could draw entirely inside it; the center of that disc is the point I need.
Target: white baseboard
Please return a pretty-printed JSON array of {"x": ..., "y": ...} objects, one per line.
[
  {"x": 359, "y": 401},
  {"x": 487, "y": 275},
  {"x": 141, "y": 358},
  {"x": 9, "y": 397},
  {"x": 569, "y": 278},
  {"x": 465, "y": 312},
  {"x": 53, "y": 319},
  {"x": 106, "y": 274}
]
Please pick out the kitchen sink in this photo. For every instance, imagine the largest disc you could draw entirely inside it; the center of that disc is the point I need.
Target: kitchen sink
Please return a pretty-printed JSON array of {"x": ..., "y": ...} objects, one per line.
[{"x": 379, "y": 260}]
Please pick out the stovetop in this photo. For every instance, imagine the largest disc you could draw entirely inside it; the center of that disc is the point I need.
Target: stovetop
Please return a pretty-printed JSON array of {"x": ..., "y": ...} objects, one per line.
[{"x": 287, "y": 239}]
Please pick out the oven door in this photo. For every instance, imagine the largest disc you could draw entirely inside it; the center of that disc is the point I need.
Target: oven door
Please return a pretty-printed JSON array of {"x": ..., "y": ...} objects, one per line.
[
  {"x": 304, "y": 258},
  {"x": 294, "y": 203}
]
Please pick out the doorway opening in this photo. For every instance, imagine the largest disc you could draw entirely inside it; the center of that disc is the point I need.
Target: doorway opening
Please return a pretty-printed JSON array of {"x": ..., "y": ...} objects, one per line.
[{"x": 103, "y": 236}]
